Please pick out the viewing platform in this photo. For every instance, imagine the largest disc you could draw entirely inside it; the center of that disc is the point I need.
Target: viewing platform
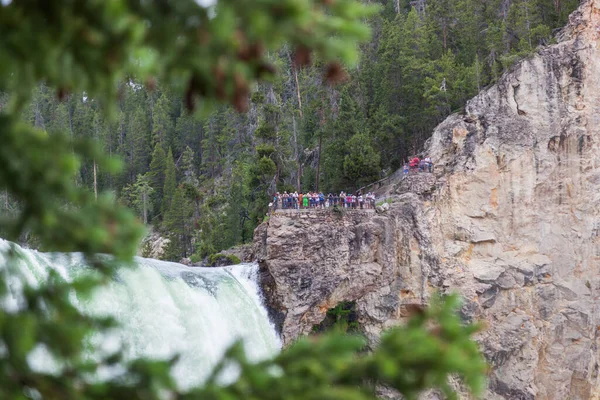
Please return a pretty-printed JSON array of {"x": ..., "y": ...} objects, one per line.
[{"x": 327, "y": 210}]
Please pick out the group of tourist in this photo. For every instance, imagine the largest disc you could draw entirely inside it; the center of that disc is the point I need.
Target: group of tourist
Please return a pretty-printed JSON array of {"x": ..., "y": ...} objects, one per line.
[
  {"x": 297, "y": 201},
  {"x": 417, "y": 164}
]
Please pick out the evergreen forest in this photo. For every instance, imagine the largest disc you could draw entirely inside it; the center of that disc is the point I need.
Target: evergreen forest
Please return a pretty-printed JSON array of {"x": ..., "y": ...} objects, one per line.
[{"x": 204, "y": 179}]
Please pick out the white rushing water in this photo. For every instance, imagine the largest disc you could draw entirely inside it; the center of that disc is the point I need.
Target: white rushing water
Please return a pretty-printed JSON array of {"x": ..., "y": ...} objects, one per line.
[{"x": 165, "y": 309}]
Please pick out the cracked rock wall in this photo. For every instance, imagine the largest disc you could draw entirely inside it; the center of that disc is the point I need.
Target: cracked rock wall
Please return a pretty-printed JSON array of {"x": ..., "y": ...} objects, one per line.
[{"x": 511, "y": 220}]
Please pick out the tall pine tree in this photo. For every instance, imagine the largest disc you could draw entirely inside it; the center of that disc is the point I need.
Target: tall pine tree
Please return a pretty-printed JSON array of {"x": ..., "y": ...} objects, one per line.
[
  {"x": 178, "y": 224},
  {"x": 157, "y": 176},
  {"x": 170, "y": 182}
]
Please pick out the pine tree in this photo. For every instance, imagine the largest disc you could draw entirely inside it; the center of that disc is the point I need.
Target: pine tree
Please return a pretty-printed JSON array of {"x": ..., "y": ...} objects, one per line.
[
  {"x": 162, "y": 124},
  {"x": 361, "y": 164},
  {"x": 170, "y": 182},
  {"x": 237, "y": 212},
  {"x": 157, "y": 176},
  {"x": 139, "y": 142},
  {"x": 188, "y": 169},
  {"x": 177, "y": 223},
  {"x": 143, "y": 190}
]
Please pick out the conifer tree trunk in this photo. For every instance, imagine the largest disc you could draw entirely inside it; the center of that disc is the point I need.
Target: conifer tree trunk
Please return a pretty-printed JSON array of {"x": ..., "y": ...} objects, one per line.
[
  {"x": 528, "y": 22},
  {"x": 296, "y": 152},
  {"x": 145, "y": 207},
  {"x": 70, "y": 112},
  {"x": 319, "y": 162},
  {"x": 96, "y": 185},
  {"x": 295, "y": 71}
]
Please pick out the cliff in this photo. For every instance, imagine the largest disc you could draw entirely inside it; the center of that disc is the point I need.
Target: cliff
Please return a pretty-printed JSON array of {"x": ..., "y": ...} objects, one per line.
[{"x": 510, "y": 219}]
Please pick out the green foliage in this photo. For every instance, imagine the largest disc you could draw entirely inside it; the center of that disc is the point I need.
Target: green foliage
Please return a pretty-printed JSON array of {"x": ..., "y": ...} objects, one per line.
[
  {"x": 170, "y": 181},
  {"x": 177, "y": 223},
  {"x": 222, "y": 260},
  {"x": 266, "y": 132},
  {"x": 421, "y": 354},
  {"x": 163, "y": 129},
  {"x": 361, "y": 164},
  {"x": 380, "y": 203},
  {"x": 139, "y": 144},
  {"x": 264, "y": 150},
  {"x": 266, "y": 167},
  {"x": 37, "y": 170},
  {"x": 138, "y": 196},
  {"x": 341, "y": 319},
  {"x": 157, "y": 175},
  {"x": 188, "y": 169}
]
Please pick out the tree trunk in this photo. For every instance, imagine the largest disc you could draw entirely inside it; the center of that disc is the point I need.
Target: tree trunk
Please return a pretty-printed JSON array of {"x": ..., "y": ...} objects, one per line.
[
  {"x": 528, "y": 24},
  {"x": 298, "y": 91},
  {"x": 296, "y": 152},
  {"x": 145, "y": 210},
  {"x": 95, "y": 182},
  {"x": 39, "y": 119},
  {"x": 505, "y": 8},
  {"x": 183, "y": 234},
  {"x": 70, "y": 113},
  {"x": 299, "y": 178},
  {"x": 319, "y": 162},
  {"x": 477, "y": 73}
]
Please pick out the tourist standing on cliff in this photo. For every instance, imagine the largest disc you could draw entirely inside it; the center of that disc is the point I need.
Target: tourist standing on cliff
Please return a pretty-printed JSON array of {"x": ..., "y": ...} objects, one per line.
[
  {"x": 373, "y": 200},
  {"x": 414, "y": 164},
  {"x": 305, "y": 201},
  {"x": 429, "y": 164}
]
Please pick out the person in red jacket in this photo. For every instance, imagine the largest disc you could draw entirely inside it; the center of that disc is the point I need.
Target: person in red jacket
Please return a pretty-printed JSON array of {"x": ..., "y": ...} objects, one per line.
[{"x": 414, "y": 164}]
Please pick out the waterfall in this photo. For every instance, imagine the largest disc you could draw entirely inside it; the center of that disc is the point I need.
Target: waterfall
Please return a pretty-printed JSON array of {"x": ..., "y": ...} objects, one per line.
[{"x": 163, "y": 309}]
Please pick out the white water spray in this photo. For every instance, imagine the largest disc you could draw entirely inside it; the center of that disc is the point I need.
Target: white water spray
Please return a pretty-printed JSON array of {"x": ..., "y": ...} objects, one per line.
[{"x": 165, "y": 309}]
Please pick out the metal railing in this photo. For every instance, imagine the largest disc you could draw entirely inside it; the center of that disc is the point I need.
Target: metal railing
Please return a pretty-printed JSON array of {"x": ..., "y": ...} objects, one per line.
[{"x": 291, "y": 204}]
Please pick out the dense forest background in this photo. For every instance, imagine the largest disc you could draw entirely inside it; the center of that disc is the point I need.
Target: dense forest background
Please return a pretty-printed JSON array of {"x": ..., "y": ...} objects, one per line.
[{"x": 205, "y": 179}]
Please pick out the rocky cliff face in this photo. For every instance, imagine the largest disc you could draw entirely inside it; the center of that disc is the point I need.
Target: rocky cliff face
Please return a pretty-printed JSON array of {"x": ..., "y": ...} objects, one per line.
[{"x": 510, "y": 219}]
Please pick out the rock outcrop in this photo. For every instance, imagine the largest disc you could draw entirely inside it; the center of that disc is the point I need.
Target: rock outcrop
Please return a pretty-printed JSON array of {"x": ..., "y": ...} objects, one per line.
[
  {"x": 511, "y": 220},
  {"x": 243, "y": 251},
  {"x": 154, "y": 246}
]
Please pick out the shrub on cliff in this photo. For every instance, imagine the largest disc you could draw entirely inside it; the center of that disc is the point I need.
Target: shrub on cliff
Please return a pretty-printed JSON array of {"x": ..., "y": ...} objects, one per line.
[{"x": 222, "y": 260}]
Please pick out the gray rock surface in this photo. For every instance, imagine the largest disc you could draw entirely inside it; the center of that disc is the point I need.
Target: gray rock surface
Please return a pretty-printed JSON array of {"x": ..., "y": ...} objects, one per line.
[
  {"x": 244, "y": 252},
  {"x": 153, "y": 246},
  {"x": 510, "y": 219}
]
